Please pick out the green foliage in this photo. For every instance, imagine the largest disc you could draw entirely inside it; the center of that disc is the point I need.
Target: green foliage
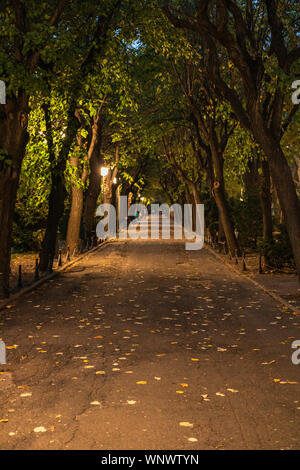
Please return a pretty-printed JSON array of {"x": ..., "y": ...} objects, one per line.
[
  {"x": 33, "y": 192},
  {"x": 278, "y": 252},
  {"x": 140, "y": 84},
  {"x": 247, "y": 220},
  {"x": 3, "y": 158}
]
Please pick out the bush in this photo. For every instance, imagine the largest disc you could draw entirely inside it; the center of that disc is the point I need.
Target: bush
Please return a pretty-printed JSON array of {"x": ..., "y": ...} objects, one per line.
[
  {"x": 247, "y": 219},
  {"x": 26, "y": 238},
  {"x": 278, "y": 252}
]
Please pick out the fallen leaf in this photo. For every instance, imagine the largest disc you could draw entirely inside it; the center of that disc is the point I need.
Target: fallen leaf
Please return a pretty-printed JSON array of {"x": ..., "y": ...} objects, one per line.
[
  {"x": 186, "y": 424},
  {"x": 40, "y": 429}
]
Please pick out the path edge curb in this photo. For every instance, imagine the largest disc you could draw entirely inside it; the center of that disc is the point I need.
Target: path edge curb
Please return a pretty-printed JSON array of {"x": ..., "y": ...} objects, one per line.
[
  {"x": 55, "y": 273},
  {"x": 274, "y": 296}
]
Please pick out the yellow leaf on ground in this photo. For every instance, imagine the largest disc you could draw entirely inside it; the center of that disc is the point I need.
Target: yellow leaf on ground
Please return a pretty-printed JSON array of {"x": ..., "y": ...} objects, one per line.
[{"x": 186, "y": 424}]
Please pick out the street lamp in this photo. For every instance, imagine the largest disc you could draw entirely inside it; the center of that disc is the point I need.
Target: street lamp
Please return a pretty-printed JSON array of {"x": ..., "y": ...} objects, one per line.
[{"x": 104, "y": 172}]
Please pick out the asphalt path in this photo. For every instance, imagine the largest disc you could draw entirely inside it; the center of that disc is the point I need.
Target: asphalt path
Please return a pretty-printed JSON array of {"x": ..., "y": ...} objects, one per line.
[{"x": 144, "y": 345}]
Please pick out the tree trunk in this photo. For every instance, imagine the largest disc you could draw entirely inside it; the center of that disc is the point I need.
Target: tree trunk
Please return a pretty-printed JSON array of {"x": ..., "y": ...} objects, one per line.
[
  {"x": 266, "y": 209},
  {"x": 221, "y": 233},
  {"x": 251, "y": 177},
  {"x": 94, "y": 187},
  {"x": 82, "y": 173},
  {"x": 9, "y": 178},
  {"x": 108, "y": 188},
  {"x": 92, "y": 195},
  {"x": 58, "y": 190},
  {"x": 55, "y": 212},
  {"x": 74, "y": 222},
  {"x": 110, "y": 185},
  {"x": 289, "y": 203},
  {"x": 285, "y": 188},
  {"x": 266, "y": 202},
  {"x": 78, "y": 181},
  {"x": 218, "y": 191},
  {"x": 13, "y": 140},
  {"x": 188, "y": 197},
  {"x": 225, "y": 218},
  {"x": 196, "y": 200},
  {"x": 214, "y": 169}
]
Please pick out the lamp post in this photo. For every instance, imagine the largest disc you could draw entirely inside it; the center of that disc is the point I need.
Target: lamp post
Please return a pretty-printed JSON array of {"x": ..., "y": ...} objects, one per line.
[{"x": 104, "y": 172}]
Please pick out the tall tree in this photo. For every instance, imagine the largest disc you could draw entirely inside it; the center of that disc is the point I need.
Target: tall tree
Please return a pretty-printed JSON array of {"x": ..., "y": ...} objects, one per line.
[
  {"x": 26, "y": 34},
  {"x": 260, "y": 39}
]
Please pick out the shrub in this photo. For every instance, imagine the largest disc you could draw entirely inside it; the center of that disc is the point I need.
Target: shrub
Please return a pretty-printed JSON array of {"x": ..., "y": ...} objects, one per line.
[{"x": 278, "y": 252}]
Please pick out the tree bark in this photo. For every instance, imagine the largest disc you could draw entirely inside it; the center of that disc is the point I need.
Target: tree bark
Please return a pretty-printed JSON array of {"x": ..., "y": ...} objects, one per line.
[
  {"x": 225, "y": 217},
  {"x": 289, "y": 202},
  {"x": 266, "y": 202},
  {"x": 13, "y": 140},
  {"x": 58, "y": 191},
  {"x": 9, "y": 178},
  {"x": 92, "y": 194},
  {"x": 110, "y": 186},
  {"x": 94, "y": 186},
  {"x": 212, "y": 162},
  {"x": 74, "y": 222},
  {"x": 263, "y": 116},
  {"x": 266, "y": 208},
  {"x": 282, "y": 178},
  {"x": 188, "y": 197},
  {"x": 82, "y": 172},
  {"x": 219, "y": 193},
  {"x": 251, "y": 177},
  {"x": 78, "y": 181},
  {"x": 196, "y": 200},
  {"x": 55, "y": 212}
]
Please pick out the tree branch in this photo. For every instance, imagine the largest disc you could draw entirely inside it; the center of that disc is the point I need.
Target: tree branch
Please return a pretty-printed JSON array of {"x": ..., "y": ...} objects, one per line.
[{"x": 277, "y": 39}]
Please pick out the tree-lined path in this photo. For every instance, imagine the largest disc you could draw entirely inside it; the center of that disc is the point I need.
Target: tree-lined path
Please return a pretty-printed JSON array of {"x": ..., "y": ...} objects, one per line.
[
  {"x": 140, "y": 105},
  {"x": 144, "y": 345}
]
